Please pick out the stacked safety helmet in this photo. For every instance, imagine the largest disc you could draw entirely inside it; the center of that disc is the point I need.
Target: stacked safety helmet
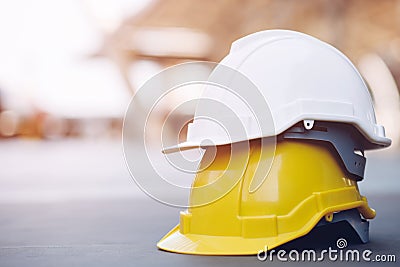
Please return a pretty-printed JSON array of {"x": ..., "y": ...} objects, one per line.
[{"x": 323, "y": 120}]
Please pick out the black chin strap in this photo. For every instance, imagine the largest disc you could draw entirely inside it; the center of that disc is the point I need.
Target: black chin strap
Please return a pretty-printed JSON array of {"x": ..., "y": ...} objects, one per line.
[{"x": 344, "y": 138}]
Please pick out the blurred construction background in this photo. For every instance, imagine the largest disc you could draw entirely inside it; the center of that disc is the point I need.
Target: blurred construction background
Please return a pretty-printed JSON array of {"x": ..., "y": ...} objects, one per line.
[{"x": 69, "y": 68}]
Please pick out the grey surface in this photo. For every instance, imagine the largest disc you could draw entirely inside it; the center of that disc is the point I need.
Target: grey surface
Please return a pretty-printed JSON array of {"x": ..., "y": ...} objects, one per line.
[{"x": 72, "y": 203}]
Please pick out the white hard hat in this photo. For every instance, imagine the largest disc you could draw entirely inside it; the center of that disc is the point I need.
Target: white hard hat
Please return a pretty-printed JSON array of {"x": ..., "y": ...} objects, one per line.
[{"x": 299, "y": 77}]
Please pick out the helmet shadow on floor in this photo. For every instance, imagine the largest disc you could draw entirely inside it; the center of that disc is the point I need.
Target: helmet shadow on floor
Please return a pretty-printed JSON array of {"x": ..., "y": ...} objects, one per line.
[{"x": 323, "y": 237}]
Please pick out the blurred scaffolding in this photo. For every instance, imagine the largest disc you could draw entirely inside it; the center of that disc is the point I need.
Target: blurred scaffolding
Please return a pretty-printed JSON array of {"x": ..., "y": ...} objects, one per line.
[{"x": 140, "y": 38}]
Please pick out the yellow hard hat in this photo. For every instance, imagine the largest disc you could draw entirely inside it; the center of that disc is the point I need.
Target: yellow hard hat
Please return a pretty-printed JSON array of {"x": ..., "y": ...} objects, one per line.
[
  {"x": 307, "y": 184},
  {"x": 250, "y": 193}
]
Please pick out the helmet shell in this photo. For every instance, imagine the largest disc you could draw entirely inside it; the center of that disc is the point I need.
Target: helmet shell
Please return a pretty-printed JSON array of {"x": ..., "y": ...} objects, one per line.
[
  {"x": 301, "y": 78},
  {"x": 305, "y": 184}
]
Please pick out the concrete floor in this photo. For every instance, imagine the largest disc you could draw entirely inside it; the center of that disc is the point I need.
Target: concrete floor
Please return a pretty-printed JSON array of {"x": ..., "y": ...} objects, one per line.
[{"x": 73, "y": 203}]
